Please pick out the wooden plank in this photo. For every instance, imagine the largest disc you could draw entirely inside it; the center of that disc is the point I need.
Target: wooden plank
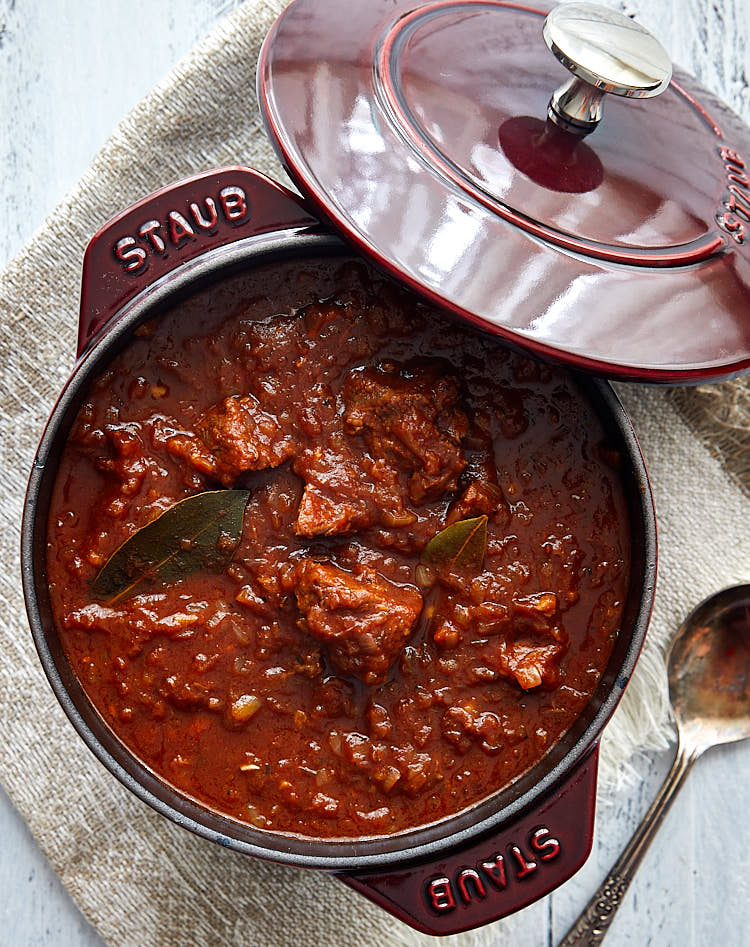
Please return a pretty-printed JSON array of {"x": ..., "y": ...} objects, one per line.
[{"x": 69, "y": 71}]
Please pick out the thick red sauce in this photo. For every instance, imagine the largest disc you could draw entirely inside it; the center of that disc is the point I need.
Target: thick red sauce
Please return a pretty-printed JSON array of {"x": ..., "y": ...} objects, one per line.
[{"x": 328, "y": 683}]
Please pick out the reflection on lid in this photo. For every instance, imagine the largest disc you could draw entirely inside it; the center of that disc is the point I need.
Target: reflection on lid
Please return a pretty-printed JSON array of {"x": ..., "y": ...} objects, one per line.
[{"x": 551, "y": 157}]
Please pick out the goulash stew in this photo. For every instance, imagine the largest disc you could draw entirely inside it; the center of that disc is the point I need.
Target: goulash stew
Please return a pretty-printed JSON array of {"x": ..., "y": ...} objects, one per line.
[{"x": 330, "y": 563}]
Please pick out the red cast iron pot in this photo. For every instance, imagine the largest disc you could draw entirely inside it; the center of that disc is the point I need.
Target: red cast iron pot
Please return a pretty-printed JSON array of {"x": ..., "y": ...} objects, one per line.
[{"x": 490, "y": 859}]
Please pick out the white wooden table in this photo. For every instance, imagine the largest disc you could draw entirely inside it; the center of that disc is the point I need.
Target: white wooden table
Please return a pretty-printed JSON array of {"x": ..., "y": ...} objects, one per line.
[{"x": 69, "y": 70}]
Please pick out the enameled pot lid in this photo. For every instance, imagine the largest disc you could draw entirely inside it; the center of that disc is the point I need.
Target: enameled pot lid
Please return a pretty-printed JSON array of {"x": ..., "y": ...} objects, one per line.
[{"x": 474, "y": 151}]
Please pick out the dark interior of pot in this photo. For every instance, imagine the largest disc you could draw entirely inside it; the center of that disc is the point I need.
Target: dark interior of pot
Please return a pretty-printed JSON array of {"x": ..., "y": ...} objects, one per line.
[{"x": 484, "y": 815}]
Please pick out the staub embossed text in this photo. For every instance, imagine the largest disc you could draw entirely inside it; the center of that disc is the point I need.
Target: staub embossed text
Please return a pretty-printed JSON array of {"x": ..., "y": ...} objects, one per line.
[
  {"x": 179, "y": 227},
  {"x": 734, "y": 213},
  {"x": 474, "y": 883}
]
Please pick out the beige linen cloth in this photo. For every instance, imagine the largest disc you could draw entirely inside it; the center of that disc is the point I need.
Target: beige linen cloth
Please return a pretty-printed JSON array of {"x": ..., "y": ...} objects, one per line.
[{"x": 141, "y": 880}]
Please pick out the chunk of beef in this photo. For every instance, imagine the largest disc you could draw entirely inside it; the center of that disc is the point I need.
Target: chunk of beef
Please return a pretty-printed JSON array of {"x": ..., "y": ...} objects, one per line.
[
  {"x": 188, "y": 447},
  {"x": 116, "y": 448},
  {"x": 486, "y": 620},
  {"x": 411, "y": 417},
  {"x": 463, "y": 724},
  {"x": 479, "y": 488},
  {"x": 562, "y": 570},
  {"x": 344, "y": 493},
  {"x": 234, "y": 436},
  {"x": 531, "y": 653},
  {"x": 363, "y": 620},
  {"x": 242, "y": 436},
  {"x": 480, "y": 496}
]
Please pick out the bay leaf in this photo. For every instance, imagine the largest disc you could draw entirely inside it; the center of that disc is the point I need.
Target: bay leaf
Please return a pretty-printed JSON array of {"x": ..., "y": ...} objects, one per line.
[
  {"x": 460, "y": 546},
  {"x": 200, "y": 532}
]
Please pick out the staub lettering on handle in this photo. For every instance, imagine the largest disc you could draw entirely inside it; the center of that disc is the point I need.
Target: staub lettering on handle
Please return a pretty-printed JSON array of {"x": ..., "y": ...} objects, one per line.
[
  {"x": 229, "y": 208},
  {"x": 493, "y": 874},
  {"x": 734, "y": 214}
]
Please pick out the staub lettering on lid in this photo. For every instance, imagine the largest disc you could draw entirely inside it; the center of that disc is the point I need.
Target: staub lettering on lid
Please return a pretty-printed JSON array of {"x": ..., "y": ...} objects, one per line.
[
  {"x": 734, "y": 213},
  {"x": 493, "y": 874},
  {"x": 230, "y": 208}
]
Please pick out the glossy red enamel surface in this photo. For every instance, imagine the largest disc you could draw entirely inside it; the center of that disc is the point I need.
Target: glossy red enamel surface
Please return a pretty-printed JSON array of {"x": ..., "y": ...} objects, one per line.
[
  {"x": 624, "y": 252},
  {"x": 173, "y": 226},
  {"x": 499, "y": 874}
]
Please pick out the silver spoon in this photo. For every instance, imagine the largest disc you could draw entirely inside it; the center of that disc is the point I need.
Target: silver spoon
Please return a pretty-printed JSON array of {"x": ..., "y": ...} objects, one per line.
[{"x": 709, "y": 688}]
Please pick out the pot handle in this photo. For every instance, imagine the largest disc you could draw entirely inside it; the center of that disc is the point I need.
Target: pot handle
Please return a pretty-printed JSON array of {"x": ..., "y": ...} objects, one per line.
[
  {"x": 173, "y": 226},
  {"x": 502, "y": 872}
]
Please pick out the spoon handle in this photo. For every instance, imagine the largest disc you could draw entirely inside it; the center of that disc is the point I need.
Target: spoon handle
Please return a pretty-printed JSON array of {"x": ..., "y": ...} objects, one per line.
[{"x": 593, "y": 922}]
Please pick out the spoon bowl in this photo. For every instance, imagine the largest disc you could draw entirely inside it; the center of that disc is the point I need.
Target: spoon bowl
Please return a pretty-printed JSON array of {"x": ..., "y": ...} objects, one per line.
[{"x": 709, "y": 670}]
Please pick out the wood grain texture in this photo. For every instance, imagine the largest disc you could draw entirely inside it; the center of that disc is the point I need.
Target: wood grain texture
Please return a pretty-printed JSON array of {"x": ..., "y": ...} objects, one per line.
[{"x": 69, "y": 70}]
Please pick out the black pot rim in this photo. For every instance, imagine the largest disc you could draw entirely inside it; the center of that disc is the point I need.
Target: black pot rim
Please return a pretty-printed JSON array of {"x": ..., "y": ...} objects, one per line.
[{"x": 417, "y": 844}]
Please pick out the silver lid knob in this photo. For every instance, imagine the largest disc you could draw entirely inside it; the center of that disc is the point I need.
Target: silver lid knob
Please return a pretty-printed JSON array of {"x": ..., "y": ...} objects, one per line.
[{"x": 606, "y": 52}]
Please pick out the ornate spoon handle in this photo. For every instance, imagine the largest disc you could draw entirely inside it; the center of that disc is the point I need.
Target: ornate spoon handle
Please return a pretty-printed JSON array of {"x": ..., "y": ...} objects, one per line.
[{"x": 593, "y": 923}]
